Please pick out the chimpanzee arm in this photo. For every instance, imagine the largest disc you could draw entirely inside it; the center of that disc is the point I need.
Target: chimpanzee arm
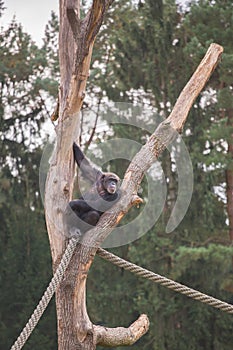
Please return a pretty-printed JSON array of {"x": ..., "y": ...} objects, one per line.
[
  {"x": 101, "y": 204},
  {"x": 79, "y": 206},
  {"x": 79, "y": 216},
  {"x": 88, "y": 170}
]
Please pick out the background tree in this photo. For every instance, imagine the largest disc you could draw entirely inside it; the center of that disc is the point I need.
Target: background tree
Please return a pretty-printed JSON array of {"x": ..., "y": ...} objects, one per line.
[
  {"x": 218, "y": 101},
  {"x": 186, "y": 254},
  {"x": 24, "y": 251},
  {"x": 206, "y": 215}
]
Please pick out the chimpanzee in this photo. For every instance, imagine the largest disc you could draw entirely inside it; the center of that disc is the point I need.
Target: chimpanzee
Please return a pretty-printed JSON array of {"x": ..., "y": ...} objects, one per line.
[{"x": 84, "y": 213}]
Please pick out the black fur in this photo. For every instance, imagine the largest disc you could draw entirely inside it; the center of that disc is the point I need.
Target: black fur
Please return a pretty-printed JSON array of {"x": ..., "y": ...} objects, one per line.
[{"x": 84, "y": 213}]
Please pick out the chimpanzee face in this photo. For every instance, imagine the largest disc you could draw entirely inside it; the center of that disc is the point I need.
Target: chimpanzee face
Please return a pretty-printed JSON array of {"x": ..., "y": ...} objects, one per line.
[
  {"x": 111, "y": 185},
  {"x": 111, "y": 182}
]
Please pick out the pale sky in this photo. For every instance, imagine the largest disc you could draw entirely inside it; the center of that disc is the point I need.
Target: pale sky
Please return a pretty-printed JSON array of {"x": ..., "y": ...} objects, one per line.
[{"x": 33, "y": 15}]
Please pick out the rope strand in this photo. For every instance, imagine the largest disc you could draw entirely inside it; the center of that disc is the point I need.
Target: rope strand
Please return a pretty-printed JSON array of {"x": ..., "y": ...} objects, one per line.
[
  {"x": 38, "y": 312},
  {"x": 177, "y": 287},
  {"x": 137, "y": 270}
]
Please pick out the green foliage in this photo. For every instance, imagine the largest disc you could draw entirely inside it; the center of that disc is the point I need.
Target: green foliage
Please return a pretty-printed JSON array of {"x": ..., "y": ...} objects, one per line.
[
  {"x": 152, "y": 51},
  {"x": 24, "y": 254},
  {"x": 25, "y": 263},
  {"x": 2, "y": 8},
  {"x": 50, "y": 46},
  {"x": 147, "y": 50}
]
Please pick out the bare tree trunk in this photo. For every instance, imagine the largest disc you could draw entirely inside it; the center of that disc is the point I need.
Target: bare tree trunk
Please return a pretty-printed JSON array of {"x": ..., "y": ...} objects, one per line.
[
  {"x": 75, "y": 330},
  {"x": 76, "y": 39}
]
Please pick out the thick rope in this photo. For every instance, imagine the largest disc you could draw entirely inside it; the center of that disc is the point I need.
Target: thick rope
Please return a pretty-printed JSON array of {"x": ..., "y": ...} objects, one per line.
[
  {"x": 137, "y": 270},
  {"x": 192, "y": 293},
  {"x": 38, "y": 312}
]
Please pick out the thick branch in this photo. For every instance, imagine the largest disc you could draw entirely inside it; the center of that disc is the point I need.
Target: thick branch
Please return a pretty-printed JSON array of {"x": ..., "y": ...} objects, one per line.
[
  {"x": 84, "y": 33},
  {"x": 73, "y": 15},
  {"x": 67, "y": 50},
  {"x": 121, "y": 336},
  {"x": 194, "y": 86},
  {"x": 95, "y": 17},
  {"x": 158, "y": 141}
]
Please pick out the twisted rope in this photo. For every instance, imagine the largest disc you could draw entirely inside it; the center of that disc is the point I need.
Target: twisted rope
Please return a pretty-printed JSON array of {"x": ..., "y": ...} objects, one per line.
[
  {"x": 177, "y": 287},
  {"x": 137, "y": 270},
  {"x": 38, "y": 312}
]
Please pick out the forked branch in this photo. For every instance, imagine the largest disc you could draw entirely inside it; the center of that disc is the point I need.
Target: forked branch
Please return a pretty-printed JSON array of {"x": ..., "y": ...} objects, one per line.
[
  {"x": 95, "y": 17},
  {"x": 73, "y": 16},
  {"x": 120, "y": 336}
]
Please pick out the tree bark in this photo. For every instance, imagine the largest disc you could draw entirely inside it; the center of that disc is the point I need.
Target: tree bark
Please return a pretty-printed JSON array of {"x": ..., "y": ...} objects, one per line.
[{"x": 76, "y": 39}]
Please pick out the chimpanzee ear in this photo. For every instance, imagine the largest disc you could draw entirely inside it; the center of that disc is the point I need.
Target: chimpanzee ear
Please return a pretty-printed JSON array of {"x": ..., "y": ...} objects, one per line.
[
  {"x": 99, "y": 176},
  {"x": 89, "y": 171}
]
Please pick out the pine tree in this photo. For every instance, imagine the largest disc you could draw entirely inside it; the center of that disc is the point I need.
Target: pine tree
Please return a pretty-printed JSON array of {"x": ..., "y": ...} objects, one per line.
[
  {"x": 24, "y": 250},
  {"x": 155, "y": 49},
  {"x": 215, "y": 25}
]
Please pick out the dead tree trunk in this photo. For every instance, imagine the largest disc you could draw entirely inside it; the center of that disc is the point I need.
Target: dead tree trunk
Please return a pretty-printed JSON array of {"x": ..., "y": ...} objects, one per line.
[
  {"x": 75, "y": 330},
  {"x": 76, "y": 39}
]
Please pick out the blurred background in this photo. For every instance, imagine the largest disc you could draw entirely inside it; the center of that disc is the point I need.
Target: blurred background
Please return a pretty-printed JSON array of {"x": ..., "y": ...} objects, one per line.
[{"x": 144, "y": 54}]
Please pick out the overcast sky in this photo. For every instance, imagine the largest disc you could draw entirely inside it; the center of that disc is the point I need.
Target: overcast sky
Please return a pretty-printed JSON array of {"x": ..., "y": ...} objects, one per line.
[{"x": 33, "y": 15}]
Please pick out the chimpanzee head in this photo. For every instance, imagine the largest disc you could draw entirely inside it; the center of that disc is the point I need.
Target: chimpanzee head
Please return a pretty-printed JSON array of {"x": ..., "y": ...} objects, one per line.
[
  {"x": 108, "y": 182},
  {"x": 111, "y": 182}
]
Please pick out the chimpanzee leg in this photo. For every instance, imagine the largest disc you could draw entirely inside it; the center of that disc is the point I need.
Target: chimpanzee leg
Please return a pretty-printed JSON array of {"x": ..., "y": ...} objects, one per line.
[{"x": 91, "y": 218}]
